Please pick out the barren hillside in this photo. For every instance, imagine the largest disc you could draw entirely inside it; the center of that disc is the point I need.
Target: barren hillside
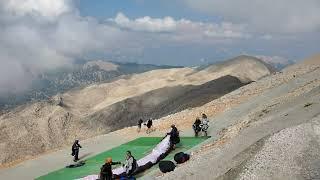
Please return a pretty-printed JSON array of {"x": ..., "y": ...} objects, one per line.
[
  {"x": 159, "y": 103},
  {"x": 248, "y": 126},
  {"x": 79, "y": 75},
  {"x": 265, "y": 130},
  {"x": 36, "y": 128}
]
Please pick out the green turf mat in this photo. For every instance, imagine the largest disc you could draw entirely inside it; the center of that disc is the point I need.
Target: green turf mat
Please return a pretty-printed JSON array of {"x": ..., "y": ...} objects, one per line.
[{"x": 139, "y": 147}]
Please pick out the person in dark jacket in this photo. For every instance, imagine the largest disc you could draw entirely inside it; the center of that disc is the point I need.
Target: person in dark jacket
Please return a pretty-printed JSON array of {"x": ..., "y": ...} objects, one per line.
[
  {"x": 75, "y": 150},
  {"x": 174, "y": 136},
  {"x": 196, "y": 126},
  {"x": 106, "y": 170},
  {"x": 139, "y": 125},
  {"x": 149, "y": 126}
]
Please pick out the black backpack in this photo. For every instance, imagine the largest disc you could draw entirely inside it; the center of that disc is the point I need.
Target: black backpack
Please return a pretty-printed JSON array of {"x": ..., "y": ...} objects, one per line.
[
  {"x": 166, "y": 166},
  {"x": 181, "y": 157}
]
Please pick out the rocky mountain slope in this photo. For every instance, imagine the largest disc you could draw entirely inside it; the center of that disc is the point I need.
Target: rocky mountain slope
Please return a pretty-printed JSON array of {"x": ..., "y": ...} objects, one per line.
[
  {"x": 159, "y": 103},
  {"x": 268, "y": 129},
  {"x": 79, "y": 75},
  {"x": 32, "y": 129}
]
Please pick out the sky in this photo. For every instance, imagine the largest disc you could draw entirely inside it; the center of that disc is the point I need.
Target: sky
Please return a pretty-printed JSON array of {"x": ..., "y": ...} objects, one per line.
[{"x": 40, "y": 35}]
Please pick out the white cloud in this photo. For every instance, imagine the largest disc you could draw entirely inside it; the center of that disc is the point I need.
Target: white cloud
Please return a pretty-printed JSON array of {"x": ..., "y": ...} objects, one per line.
[
  {"x": 167, "y": 24},
  {"x": 182, "y": 29},
  {"x": 45, "y": 8},
  {"x": 279, "y": 16},
  {"x": 226, "y": 30},
  {"x": 36, "y": 36}
]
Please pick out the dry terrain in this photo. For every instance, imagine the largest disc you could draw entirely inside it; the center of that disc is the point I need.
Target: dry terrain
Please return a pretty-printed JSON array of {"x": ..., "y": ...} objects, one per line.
[
  {"x": 32, "y": 129},
  {"x": 271, "y": 131},
  {"x": 248, "y": 126}
]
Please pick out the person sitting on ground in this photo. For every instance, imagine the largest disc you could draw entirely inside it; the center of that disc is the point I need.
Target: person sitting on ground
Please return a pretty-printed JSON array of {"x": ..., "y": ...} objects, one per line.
[
  {"x": 75, "y": 150},
  {"x": 149, "y": 125},
  {"x": 196, "y": 126},
  {"x": 106, "y": 170},
  {"x": 174, "y": 136},
  {"x": 130, "y": 165},
  {"x": 139, "y": 125},
  {"x": 204, "y": 124}
]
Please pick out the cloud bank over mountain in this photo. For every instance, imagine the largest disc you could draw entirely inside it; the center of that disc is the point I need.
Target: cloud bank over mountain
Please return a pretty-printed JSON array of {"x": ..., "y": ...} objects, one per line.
[{"x": 39, "y": 35}]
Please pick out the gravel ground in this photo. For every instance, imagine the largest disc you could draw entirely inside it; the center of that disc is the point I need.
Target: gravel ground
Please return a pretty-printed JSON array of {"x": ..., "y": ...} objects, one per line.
[
  {"x": 282, "y": 155},
  {"x": 270, "y": 136}
]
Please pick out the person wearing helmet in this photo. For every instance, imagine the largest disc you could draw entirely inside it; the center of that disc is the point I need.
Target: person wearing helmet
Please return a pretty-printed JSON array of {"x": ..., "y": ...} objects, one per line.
[
  {"x": 75, "y": 150},
  {"x": 106, "y": 169}
]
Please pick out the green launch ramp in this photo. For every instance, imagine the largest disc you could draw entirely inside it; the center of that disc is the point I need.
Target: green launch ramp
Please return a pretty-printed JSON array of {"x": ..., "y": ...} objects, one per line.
[{"x": 139, "y": 147}]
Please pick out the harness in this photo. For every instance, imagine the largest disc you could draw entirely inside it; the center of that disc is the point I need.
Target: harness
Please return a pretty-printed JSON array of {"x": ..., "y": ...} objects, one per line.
[{"x": 204, "y": 125}]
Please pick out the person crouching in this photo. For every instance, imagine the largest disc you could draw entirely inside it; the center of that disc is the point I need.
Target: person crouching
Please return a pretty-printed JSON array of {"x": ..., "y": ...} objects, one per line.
[{"x": 130, "y": 165}]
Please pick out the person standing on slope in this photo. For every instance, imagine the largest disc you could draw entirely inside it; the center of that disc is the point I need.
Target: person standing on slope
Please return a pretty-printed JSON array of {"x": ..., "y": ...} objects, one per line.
[
  {"x": 139, "y": 125},
  {"x": 196, "y": 127},
  {"x": 149, "y": 126},
  {"x": 174, "y": 136},
  {"x": 75, "y": 150},
  {"x": 106, "y": 170},
  {"x": 204, "y": 124}
]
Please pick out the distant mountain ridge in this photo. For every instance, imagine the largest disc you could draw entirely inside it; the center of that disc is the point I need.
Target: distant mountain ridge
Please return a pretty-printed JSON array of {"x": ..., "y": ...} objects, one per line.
[{"x": 79, "y": 75}]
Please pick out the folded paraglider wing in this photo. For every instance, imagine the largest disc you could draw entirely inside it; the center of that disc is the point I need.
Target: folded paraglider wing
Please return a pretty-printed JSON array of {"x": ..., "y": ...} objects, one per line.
[{"x": 158, "y": 153}]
